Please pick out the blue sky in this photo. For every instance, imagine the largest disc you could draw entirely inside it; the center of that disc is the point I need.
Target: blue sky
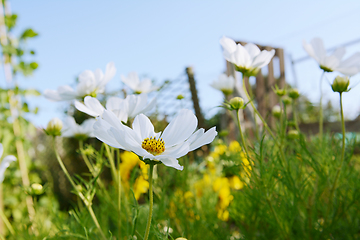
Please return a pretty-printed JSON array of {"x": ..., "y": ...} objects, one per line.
[{"x": 160, "y": 38}]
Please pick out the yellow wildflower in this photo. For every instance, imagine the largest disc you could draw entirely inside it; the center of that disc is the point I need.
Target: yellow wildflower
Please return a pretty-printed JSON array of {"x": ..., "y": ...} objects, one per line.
[
  {"x": 140, "y": 186},
  {"x": 236, "y": 183}
]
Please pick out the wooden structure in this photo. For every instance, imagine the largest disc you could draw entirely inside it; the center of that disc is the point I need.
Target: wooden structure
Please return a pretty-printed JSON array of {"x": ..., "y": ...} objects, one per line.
[{"x": 265, "y": 97}]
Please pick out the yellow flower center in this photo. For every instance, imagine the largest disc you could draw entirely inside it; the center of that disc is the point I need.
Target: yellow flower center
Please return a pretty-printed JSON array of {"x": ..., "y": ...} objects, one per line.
[{"x": 153, "y": 145}]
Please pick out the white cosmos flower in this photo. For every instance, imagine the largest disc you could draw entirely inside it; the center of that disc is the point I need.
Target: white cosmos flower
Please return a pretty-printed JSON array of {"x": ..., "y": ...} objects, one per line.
[
  {"x": 175, "y": 141},
  {"x": 131, "y": 106},
  {"x": 247, "y": 59},
  {"x": 133, "y": 81},
  {"x": 333, "y": 62},
  {"x": 224, "y": 83},
  {"x": 90, "y": 84},
  {"x": 5, "y": 163},
  {"x": 83, "y": 131}
]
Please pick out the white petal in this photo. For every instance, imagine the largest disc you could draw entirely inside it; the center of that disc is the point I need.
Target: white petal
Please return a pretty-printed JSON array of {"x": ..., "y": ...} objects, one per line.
[
  {"x": 5, "y": 163},
  {"x": 70, "y": 127},
  {"x": 180, "y": 128},
  {"x": 202, "y": 138},
  {"x": 263, "y": 58},
  {"x": 109, "y": 72},
  {"x": 91, "y": 106},
  {"x": 177, "y": 151},
  {"x": 318, "y": 48},
  {"x": 241, "y": 57},
  {"x": 101, "y": 128},
  {"x": 171, "y": 162},
  {"x": 143, "y": 127},
  {"x": 114, "y": 103},
  {"x": 87, "y": 127},
  {"x": 1, "y": 150},
  {"x": 52, "y": 95},
  {"x": 252, "y": 49},
  {"x": 228, "y": 44}
]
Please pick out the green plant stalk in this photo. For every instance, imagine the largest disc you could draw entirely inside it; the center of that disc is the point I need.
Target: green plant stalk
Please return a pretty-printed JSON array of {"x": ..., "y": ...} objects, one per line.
[
  {"x": 321, "y": 117},
  {"x": 92, "y": 171},
  {"x": 295, "y": 116},
  {"x": 263, "y": 121},
  {"x": 83, "y": 198},
  {"x": 21, "y": 157},
  {"x": 112, "y": 163},
  {"x": 276, "y": 218},
  {"x": 342, "y": 150},
  {"x": 241, "y": 134},
  {"x": 255, "y": 121},
  {"x": 257, "y": 112},
  {"x": 7, "y": 223},
  {"x": 119, "y": 192},
  {"x": 147, "y": 231}
]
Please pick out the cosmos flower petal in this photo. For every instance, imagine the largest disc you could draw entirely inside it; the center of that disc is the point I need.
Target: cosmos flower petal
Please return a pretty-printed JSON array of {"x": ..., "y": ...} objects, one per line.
[
  {"x": 5, "y": 163},
  {"x": 241, "y": 57},
  {"x": 228, "y": 44},
  {"x": 109, "y": 73},
  {"x": 52, "y": 95},
  {"x": 103, "y": 135},
  {"x": 177, "y": 151},
  {"x": 143, "y": 126},
  {"x": 114, "y": 103},
  {"x": 263, "y": 58},
  {"x": 318, "y": 47},
  {"x": 91, "y": 106},
  {"x": 180, "y": 128},
  {"x": 132, "y": 80},
  {"x": 1, "y": 150},
  {"x": 252, "y": 49},
  {"x": 170, "y": 162},
  {"x": 202, "y": 138}
]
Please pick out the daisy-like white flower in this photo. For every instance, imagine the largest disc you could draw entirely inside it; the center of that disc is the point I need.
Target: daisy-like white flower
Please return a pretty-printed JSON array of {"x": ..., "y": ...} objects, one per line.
[
  {"x": 175, "y": 141},
  {"x": 247, "y": 59},
  {"x": 90, "y": 84},
  {"x": 131, "y": 106},
  {"x": 5, "y": 163},
  {"x": 81, "y": 132},
  {"x": 333, "y": 62},
  {"x": 133, "y": 81},
  {"x": 224, "y": 83}
]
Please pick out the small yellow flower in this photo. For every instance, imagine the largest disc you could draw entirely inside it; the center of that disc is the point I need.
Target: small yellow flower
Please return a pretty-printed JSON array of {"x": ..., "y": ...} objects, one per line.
[
  {"x": 140, "y": 186},
  {"x": 235, "y": 147},
  {"x": 236, "y": 183}
]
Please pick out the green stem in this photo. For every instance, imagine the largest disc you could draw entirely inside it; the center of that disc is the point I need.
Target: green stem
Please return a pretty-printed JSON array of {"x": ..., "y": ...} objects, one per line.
[
  {"x": 147, "y": 231},
  {"x": 119, "y": 192},
  {"x": 7, "y": 223},
  {"x": 255, "y": 120},
  {"x": 112, "y": 163},
  {"x": 295, "y": 116},
  {"x": 321, "y": 117},
  {"x": 83, "y": 198},
  {"x": 342, "y": 150},
  {"x": 257, "y": 112},
  {"x": 241, "y": 134}
]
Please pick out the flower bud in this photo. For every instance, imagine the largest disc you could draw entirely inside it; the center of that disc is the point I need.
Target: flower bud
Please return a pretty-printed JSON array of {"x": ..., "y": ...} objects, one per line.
[
  {"x": 286, "y": 100},
  {"x": 341, "y": 84},
  {"x": 54, "y": 127},
  {"x": 280, "y": 92},
  {"x": 179, "y": 97},
  {"x": 294, "y": 93},
  {"x": 293, "y": 134},
  {"x": 276, "y": 111},
  {"x": 236, "y": 103},
  {"x": 37, "y": 189}
]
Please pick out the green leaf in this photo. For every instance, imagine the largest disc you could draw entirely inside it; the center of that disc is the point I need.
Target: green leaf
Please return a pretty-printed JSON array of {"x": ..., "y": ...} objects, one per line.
[
  {"x": 28, "y": 33},
  {"x": 34, "y": 65},
  {"x": 10, "y": 21}
]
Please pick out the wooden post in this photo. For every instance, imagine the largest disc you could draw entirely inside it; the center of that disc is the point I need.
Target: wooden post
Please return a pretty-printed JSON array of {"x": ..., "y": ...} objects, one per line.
[
  {"x": 272, "y": 99},
  {"x": 194, "y": 97}
]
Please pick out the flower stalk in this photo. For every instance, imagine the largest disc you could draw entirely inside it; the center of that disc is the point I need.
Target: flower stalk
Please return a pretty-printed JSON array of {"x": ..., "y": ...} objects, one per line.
[
  {"x": 321, "y": 117},
  {"x": 80, "y": 194},
  {"x": 148, "y": 224}
]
